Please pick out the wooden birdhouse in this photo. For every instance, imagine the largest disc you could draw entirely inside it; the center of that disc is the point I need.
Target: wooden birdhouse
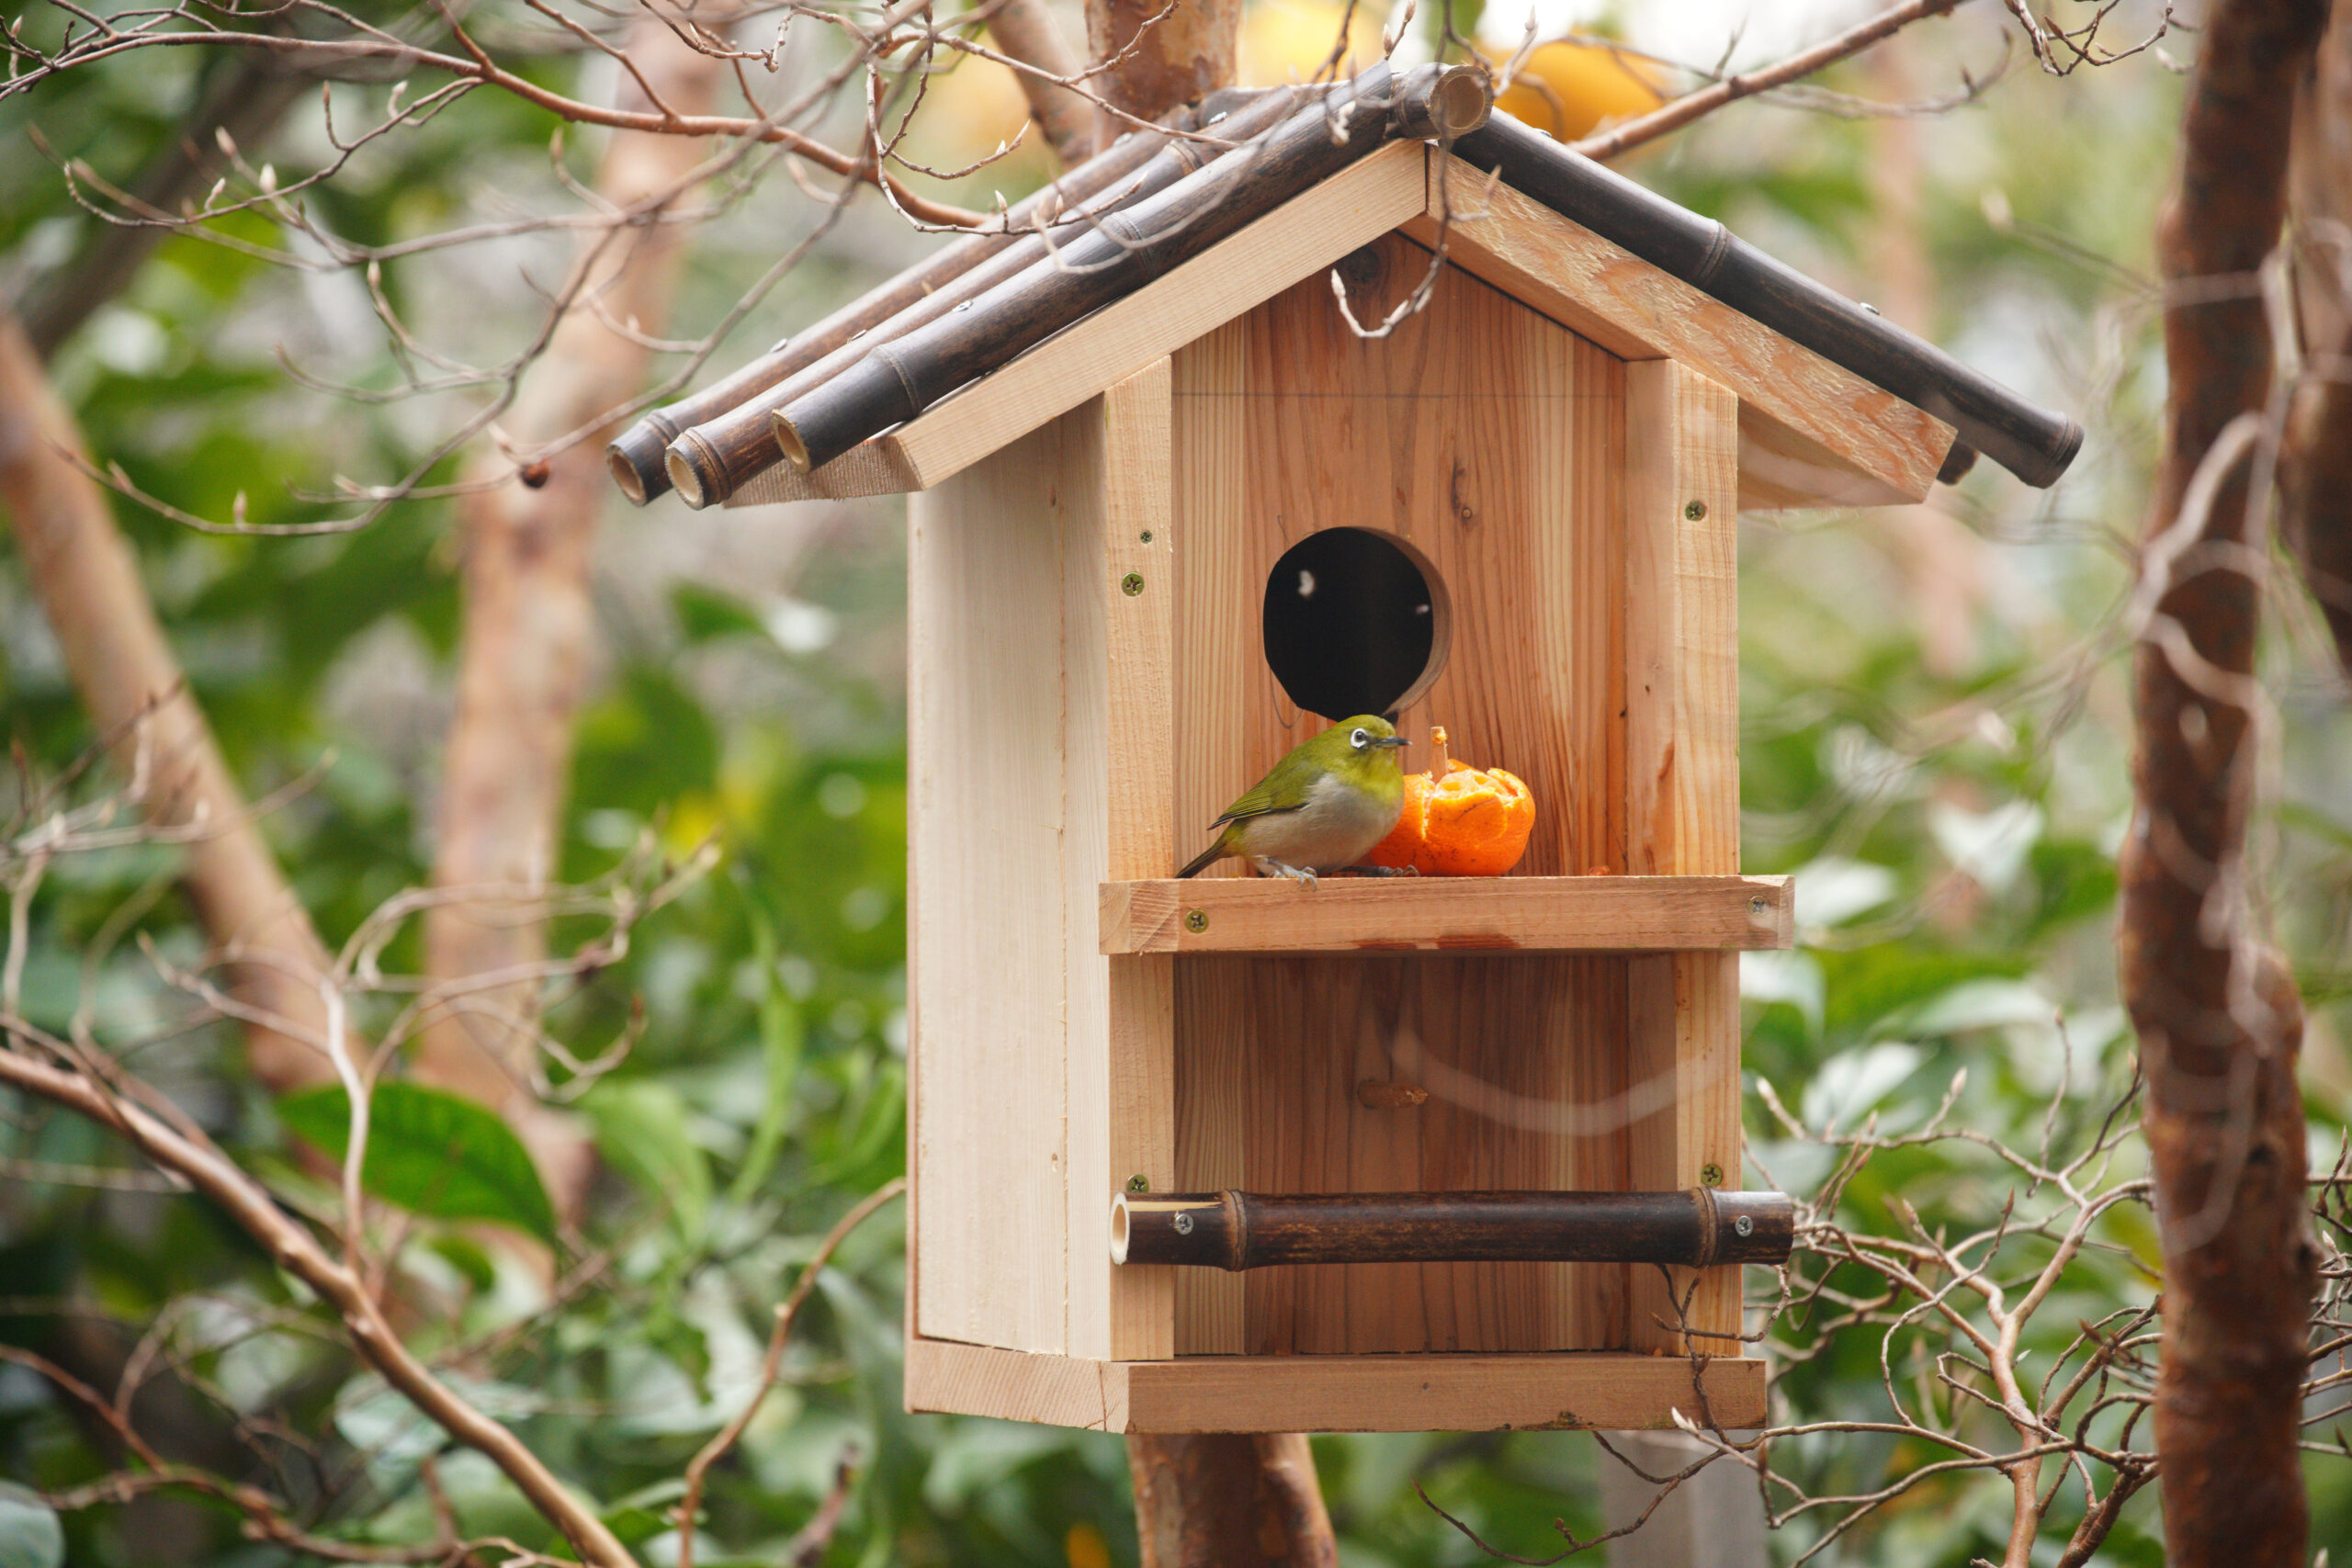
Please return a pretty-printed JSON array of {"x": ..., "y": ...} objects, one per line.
[{"x": 1387, "y": 410}]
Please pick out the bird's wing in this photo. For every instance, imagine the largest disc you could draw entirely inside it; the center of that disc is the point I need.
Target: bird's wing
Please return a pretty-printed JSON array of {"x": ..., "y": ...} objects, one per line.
[{"x": 1259, "y": 802}]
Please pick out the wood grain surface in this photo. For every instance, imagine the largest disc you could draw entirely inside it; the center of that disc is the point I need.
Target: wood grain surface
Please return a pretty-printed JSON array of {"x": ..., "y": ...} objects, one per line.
[
  {"x": 1867, "y": 446},
  {"x": 1491, "y": 440},
  {"x": 1528, "y": 914},
  {"x": 1682, "y": 772},
  {"x": 1336, "y": 1393},
  {"x": 988, "y": 828}
]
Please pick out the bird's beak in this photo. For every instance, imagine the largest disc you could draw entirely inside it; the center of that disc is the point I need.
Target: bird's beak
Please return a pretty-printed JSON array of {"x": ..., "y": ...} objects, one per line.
[{"x": 1392, "y": 740}]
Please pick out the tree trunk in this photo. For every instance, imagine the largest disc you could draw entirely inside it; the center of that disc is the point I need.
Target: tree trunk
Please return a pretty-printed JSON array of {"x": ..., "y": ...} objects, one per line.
[
  {"x": 1163, "y": 64},
  {"x": 2315, "y": 465},
  {"x": 84, "y": 573},
  {"x": 1230, "y": 1501},
  {"x": 527, "y": 629},
  {"x": 2218, "y": 1017},
  {"x": 1216, "y": 1500}
]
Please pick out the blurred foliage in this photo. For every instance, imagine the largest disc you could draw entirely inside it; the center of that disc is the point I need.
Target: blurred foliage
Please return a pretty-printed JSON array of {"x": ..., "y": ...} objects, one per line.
[{"x": 1935, "y": 739}]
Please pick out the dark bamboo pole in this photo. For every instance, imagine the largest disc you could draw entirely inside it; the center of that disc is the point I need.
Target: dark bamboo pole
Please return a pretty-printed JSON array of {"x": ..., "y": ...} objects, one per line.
[
  {"x": 2033, "y": 443},
  {"x": 636, "y": 459},
  {"x": 709, "y": 458},
  {"x": 893, "y": 382},
  {"x": 1697, "y": 1229}
]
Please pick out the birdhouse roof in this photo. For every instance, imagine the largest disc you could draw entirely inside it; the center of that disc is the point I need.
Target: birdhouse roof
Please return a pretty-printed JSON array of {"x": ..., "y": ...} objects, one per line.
[{"x": 901, "y": 390}]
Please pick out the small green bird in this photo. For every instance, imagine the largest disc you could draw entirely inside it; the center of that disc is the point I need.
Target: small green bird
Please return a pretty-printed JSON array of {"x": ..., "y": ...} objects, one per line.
[{"x": 1322, "y": 808}]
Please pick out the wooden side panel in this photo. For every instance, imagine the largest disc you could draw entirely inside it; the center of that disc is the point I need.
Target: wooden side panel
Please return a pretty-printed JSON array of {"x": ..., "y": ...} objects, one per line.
[
  {"x": 1215, "y": 672},
  {"x": 1682, "y": 750},
  {"x": 1490, "y": 439},
  {"x": 1122, "y": 1067},
  {"x": 979, "y": 1380},
  {"x": 998, "y": 828}
]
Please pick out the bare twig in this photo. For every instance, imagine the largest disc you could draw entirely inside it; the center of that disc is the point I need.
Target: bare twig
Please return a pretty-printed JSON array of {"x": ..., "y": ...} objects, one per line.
[
  {"x": 1674, "y": 116},
  {"x": 772, "y": 1364}
]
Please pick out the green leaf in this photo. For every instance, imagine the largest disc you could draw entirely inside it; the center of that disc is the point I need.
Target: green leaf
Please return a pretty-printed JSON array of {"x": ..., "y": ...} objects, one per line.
[
  {"x": 781, "y": 1036},
  {"x": 641, "y": 1128},
  {"x": 431, "y": 1153},
  {"x": 31, "y": 1535}
]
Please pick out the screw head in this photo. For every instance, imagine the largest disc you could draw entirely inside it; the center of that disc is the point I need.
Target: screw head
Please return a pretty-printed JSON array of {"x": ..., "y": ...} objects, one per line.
[
  {"x": 1743, "y": 1226},
  {"x": 1138, "y": 1183},
  {"x": 1711, "y": 1175},
  {"x": 1183, "y": 1224},
  {"x": 1131, "y": 585},
  {"x": 1146, "y": 536},
  {"x": 1695, "y": 510},
  {"x": 1196, "y": 920},
  {"x": 1759, "y": 906}
]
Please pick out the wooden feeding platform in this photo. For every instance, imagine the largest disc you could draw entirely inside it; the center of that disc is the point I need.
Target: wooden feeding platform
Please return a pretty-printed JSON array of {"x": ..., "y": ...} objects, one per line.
[
  {"x": 1509, "y": 914},
  {"x": 1500, "y": 1115}
]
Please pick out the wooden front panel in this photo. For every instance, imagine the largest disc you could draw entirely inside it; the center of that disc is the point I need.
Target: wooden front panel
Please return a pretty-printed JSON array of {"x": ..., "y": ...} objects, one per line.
[
  {"x": 1491, "y": 439},
  {"x": 1006, "y": 814}
]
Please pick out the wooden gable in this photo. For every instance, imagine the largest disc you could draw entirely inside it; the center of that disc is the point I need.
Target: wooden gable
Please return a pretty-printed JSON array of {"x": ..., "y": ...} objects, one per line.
[{"x": 1811, "y": 432}]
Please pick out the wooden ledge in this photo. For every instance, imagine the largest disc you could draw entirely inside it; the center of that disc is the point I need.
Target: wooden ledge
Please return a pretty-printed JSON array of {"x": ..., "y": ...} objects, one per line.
[
  {"x": 1563, "y": 1390},
  {"x": 1443, "y": 914}
]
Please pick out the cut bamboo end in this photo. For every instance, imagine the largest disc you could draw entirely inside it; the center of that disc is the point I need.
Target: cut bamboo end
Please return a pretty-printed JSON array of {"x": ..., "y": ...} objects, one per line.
[
  {"x": 696, "y": 472},
  {"x": 1696, "y": 1228},
  {"x": 1449, "y": 102},
  {"x": 788, "y": 437},
  {"x": 637, "y": 459}
]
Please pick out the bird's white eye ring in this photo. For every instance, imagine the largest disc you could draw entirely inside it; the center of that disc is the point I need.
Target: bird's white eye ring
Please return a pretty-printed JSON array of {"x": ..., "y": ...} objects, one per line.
[{"x": 1359, "y": 738}]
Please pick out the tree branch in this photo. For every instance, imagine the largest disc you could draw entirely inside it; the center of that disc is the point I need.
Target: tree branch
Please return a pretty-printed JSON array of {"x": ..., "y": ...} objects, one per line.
[
  {"x": 1025, "y": 30},
  {"x": 770, "y": 1365},
  {"x": 2316, "y": 458},
  {"x": 475, "y": 67},
  {"x": 528, "y": 623},
  {"x": 2216, "y": 1011},
  {"x": 190, "y": 1155},
  {"x": 1673, "y": 116},
  {"x": 87, "y": 580}
]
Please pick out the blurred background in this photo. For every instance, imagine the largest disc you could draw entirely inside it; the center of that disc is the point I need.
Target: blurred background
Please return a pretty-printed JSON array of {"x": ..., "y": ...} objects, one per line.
[{"x": 1935, "y": 739}]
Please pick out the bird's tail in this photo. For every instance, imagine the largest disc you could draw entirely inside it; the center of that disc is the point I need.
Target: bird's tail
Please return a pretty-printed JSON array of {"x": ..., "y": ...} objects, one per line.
[{"x": 1201, "y": 862}]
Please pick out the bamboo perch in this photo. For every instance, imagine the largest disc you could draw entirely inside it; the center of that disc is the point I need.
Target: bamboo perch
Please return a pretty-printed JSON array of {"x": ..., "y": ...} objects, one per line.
[
  {"x": 636, "y": 459},
  {"x": 893, "y": 382},
  {"x": 1697, "y": 1229},
  {"x": 708, "y": 461}
]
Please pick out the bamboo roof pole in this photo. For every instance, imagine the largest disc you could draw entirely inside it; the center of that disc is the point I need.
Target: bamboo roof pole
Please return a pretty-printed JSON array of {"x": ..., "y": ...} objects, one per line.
[
  {"x": 709, "y": 460},
  {"x": 635, "y": 458},
  {"x": 892, "y": 382}
]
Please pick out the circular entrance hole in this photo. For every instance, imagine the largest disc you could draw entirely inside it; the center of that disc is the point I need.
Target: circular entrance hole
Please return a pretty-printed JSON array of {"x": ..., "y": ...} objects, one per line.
[{"x": 1355, "y": 622}]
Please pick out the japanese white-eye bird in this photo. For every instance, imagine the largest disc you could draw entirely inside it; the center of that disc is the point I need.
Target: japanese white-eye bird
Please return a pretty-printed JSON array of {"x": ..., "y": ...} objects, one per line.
[{"x": 1320, "y": 808}]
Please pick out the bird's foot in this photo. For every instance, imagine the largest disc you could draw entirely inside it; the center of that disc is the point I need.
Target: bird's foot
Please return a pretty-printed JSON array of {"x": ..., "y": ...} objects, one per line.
[
  {"x": 1302, "y": 875},
  {"x": 1383, "y": 871}
]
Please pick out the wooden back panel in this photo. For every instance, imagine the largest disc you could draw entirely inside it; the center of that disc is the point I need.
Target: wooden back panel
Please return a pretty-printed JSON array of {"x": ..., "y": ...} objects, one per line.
[{"x": 1492, "y": 440}]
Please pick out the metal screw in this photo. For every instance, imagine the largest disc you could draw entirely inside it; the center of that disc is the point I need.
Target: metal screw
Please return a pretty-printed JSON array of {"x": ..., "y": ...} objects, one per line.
[
  {"x": 1196, "y": 920},
  {"x": 1183, "y": 1224},
  {"x": 1743, "y": 1226},
  {"x": 1694, "y": 509},
  {"x": 1757, "y": 907},
  {"x": 1138, "y": 1183},
  {"x": 1146, "y": 536},
  {"x": 1131, "y": 585},
  {"x": 1711, "y": 1175}
]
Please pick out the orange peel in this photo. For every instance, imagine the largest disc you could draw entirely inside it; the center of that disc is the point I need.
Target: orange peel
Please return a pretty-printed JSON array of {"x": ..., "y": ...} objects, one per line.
[{"x": 1459, "y": 821}]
